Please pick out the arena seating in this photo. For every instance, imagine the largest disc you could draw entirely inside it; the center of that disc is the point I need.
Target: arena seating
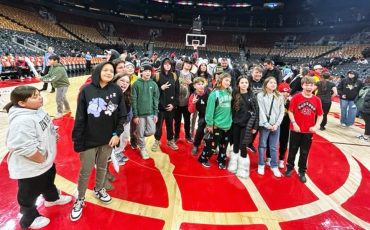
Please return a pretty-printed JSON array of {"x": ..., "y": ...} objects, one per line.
[
  {"x": 86, "y": 33},
  {"x": 32, "y": 21}
]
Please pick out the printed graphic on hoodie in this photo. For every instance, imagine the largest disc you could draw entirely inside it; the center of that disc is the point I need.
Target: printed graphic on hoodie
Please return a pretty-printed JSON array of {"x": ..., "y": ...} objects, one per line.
[{"x": 98, "y": 105}]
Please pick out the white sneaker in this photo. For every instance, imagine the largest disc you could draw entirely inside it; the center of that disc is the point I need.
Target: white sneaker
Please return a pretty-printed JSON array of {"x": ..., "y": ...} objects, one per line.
[
  {"x": 261, "y": 170},
  {"x": 103, "y": 196},
  {"x": 61, "y": 201},
  {"x": 268, "y": 162},
  {"x": 76, "y": 212},
  {"x": 58, "y": 115},
  {"x": 276, "y": 172},
  {"x": 39, "y": 222},
  {"x": 144, "y": 154},
  {"x": 281, "y": 164}
]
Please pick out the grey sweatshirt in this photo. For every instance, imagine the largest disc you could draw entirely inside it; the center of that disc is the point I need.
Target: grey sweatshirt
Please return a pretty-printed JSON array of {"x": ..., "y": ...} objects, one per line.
[
  {"x": 277, "y": 112},
  {"x": 29, "y": 130}
]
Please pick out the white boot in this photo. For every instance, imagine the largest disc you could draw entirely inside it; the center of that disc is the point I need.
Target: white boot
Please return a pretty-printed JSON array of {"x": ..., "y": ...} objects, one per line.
[
  {"x": 281, "y": 164},
  {"x": 243, "y": 167},
  {"x": 261, "y": 169},
  {"x": 268, "y": 162},
  {"x": 276, "y": 172},
  {"x": 233, "y": 162}
]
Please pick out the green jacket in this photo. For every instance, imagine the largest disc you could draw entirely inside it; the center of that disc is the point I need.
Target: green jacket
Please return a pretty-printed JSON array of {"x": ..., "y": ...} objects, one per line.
[
  {"x": 219, "y": 115},
  {"x": 57, "y": 75},
  {"x": 144, "y": 98}
]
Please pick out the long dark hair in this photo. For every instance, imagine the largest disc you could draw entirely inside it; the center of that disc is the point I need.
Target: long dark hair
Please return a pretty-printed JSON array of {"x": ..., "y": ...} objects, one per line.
[
  {"x": 237, "y": 97},
  {"x": 325, "y": 77},
  {"x": 20, "y": 93},
  {"x": 127, "y": 93}
]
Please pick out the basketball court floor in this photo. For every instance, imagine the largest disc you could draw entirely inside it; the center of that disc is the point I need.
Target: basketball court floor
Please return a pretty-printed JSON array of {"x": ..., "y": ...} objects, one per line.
[{"x": 172, "y": 190}]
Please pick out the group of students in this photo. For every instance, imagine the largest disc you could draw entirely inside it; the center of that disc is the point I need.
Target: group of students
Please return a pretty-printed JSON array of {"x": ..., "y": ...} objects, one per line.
[{"x": 117, "y": 105}]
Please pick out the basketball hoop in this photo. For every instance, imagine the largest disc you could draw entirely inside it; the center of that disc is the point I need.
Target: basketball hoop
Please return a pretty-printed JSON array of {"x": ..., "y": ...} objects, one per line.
[{"x": 195, "y": 46}]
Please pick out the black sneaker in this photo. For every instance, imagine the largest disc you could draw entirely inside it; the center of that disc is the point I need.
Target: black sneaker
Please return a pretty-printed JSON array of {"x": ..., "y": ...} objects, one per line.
[
  {"x": 134, "y": 146},
  {"x": 252, "y": 148},
  {"x": 194, "y": 150},
  {"x": 288, "y": 172},
  {"x": 222, "y": 166},
  {"x": 52, "y": 91},
  {"x": 189, "y": 140},
  {"x": 302, "y": 177},
  {"x": 322, "y": 128},
  {"x": 103, "y": 196},
  {"x": 206, "y": 164},
  {"x": 77, "y": 209}
]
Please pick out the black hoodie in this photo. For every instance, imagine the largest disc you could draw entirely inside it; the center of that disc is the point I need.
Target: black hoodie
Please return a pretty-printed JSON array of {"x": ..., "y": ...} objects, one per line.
[
  {"x": 171, "y": 94},
  {"x": 101, "y": 112},
  {"x": 349, "y": 87}
]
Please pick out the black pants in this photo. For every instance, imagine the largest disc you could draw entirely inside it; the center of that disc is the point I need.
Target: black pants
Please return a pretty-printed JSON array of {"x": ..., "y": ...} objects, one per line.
[
  {"x": 366, "y": 117},
  {"x": 254, "y": 135},
  {"x": 133, "y": 133},
  {"x": 301, "y": 141},
  {"x": 238, "y": 133},
  {"x": 88, "y": 66},
  {"x": 199, "y": 134},
  {"x": 28, "y": 191},
  {"x": 218, "y": 138},
  {"x": 283, "y": 139},
  {"x": 182, "y": 111},
  {"x": 326, "y": 109},
  {"x": 168, "y": 118}
]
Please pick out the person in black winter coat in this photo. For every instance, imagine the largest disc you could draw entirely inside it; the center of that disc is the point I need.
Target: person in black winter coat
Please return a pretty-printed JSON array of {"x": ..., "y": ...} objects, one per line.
[
  {"x": 168, "y": 86},
  {"x": 245, "y": 123},
  {"x": 348, "y": 90},
  {"x": 366, "y": 116}
]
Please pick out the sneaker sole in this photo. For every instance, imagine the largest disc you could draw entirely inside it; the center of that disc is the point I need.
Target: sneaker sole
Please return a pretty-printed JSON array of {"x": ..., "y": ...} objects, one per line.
[
  {"x": 75, "y": 219},
  {"x": 103, "y": 202}
]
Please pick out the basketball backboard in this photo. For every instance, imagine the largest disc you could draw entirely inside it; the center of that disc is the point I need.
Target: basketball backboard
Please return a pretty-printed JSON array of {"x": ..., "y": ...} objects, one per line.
[{"x": 196, "y": 40}]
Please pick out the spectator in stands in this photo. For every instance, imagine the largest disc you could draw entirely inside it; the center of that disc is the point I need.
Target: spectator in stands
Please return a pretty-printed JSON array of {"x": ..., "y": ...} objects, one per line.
[
  {"x": 88, "y": 58},
  {"x": 225, "y": 65},
  {"x": 348, "y": 90},
  {"x": 295, "y": 84},
  {"x": 325, "y": 90},
  {"x": 271, "y": 71},
  {"x": 45, "y": 68},
  {"x": 57, "y": 76},
  {"x": 22, "y": 68}
]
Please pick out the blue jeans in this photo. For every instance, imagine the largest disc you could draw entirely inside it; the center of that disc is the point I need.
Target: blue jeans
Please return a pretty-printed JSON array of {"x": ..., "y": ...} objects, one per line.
[
  {"x": 273, "y": 145},
  {"x": 348, "y": 111}
]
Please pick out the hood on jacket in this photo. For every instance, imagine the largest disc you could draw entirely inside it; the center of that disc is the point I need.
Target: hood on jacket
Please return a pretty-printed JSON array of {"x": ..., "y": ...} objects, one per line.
[
  {"x": 162, "y": 64},
  {"x": 113, "y": 54},
  {"x": 354, "y": 73},
  {"x": 16, "y": 111},
  {"x": 96, "y": 73}
]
